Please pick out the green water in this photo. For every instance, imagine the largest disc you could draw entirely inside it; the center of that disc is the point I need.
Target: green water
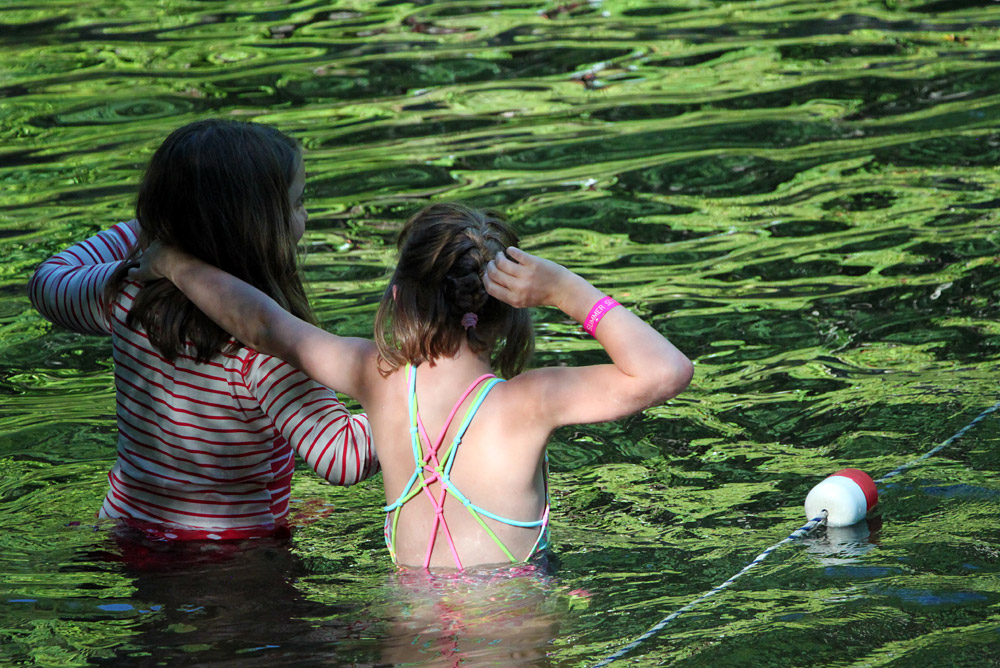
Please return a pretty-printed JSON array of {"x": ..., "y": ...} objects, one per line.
[{"x": 802, "y": 195}]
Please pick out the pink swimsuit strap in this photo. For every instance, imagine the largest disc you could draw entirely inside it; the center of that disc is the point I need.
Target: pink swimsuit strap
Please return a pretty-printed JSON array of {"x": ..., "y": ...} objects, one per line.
[{"x": 432, "y": 454}]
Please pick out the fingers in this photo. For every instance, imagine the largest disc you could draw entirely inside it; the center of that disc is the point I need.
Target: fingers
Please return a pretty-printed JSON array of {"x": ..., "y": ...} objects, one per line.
[
  {"x": 512, "y": 276},
  {"x": 517, "y": 255},
  {"x": 495, "y": 274},
  {"x": 138, "y": 275},
  {"x": 142, "y": 270},
  {"x": 493, "y": 287},
  {"x": 512, "y": 261}
]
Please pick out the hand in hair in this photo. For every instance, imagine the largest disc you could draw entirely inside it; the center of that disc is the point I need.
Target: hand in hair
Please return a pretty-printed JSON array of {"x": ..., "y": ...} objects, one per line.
[
  {"x": 646, "y": 368},
  {"x": 259, "y": 322},
  {"x": 152, "y": 263},
  {"x": 524, "y": 280}
]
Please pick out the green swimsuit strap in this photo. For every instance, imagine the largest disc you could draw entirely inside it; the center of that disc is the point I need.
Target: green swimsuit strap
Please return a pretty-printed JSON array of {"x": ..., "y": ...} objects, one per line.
[
  {"x": 422, "y": 462},
  {"x": 442, "y": 471}
]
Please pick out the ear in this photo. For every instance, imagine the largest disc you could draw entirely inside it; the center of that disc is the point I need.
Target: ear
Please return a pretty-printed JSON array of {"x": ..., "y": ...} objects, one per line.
[{"x": 395, "y": 291}]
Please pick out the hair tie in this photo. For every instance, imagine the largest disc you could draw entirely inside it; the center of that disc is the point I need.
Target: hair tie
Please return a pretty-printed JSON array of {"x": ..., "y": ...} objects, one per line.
[{"x": 469, "y": 320}]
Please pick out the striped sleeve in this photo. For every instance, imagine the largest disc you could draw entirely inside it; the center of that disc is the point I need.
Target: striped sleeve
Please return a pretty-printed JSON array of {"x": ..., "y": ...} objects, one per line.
[
  {"x": 336, "y": 444},
  {"x": 68, "y": 288}
]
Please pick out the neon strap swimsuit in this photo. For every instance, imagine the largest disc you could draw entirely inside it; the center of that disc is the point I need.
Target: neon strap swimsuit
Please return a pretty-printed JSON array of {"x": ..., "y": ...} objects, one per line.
[{"x": 429, "y": 468}]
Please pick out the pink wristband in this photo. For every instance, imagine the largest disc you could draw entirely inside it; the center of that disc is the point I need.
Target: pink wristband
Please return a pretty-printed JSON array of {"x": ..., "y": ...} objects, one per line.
[{"x": 600, "y": 309}]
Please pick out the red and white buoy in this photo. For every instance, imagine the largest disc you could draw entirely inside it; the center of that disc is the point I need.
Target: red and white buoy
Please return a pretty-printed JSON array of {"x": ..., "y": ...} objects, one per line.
[{"x": 846, "y": 496}]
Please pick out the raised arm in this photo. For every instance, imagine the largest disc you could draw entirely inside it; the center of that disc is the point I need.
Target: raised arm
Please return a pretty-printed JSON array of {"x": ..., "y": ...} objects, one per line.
[
  {"x": 68, "y": 288},
  {"x": 646, "y": 368},
  {"x": 342, "y": 363}
]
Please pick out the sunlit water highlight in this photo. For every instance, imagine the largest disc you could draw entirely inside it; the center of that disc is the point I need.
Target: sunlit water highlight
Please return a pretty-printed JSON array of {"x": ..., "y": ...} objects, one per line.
[{"x": 802, "y": 195}]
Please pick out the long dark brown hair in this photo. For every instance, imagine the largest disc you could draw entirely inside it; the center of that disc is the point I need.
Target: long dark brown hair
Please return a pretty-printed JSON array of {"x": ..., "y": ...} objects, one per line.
[
  {"x": 443, "y": 251},
  {"x": 217, "y": 189}
]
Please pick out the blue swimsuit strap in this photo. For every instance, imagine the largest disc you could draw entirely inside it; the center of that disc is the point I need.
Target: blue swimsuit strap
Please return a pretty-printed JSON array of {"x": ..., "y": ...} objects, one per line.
[
  {"x": 418, "y": 453},
  {"x": 450, "y": 461},
  {"x": 445, "y": 470}
]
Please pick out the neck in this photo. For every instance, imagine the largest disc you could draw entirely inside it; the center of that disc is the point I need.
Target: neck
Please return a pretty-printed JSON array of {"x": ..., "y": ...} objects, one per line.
[{"x": 462, "y": 365}]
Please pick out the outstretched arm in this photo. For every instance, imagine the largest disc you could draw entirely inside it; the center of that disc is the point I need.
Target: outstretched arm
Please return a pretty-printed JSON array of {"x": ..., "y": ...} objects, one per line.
[
  {"x": 340, "y": 363},
  {"x": 646, "y": 368}
]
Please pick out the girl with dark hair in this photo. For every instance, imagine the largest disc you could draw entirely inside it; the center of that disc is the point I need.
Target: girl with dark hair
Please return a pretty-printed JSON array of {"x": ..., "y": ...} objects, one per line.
[
  {"x": 455, "y": 309},
  {"x": 206, "y": 425}
]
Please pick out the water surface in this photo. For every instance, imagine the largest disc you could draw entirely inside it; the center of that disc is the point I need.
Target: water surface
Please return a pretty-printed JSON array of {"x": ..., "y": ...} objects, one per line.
[{"x": 801, "y": 195}]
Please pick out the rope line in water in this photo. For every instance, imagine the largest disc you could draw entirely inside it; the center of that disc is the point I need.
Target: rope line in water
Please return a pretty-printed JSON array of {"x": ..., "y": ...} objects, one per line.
[
  {"x": 933, "y": 451},
  {"x": 656, "y": 628},
  {"x": 804, "y": 530}
]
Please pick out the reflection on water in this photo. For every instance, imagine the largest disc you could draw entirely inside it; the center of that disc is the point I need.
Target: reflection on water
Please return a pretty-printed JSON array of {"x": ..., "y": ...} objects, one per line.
[
  {"x": 801, "y": 194},
  {"x": 505, "y": 618},
  {"x": 843, "y": 545},
  {"x": 229, "y": 605}
]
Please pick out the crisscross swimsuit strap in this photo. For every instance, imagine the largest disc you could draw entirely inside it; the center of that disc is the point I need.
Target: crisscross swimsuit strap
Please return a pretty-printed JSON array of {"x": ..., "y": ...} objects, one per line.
[{"x": 429, "y": 468}]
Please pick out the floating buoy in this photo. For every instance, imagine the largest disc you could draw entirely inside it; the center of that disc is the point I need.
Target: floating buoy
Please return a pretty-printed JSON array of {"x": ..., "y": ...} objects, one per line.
[{"x": 846, "y": 496}]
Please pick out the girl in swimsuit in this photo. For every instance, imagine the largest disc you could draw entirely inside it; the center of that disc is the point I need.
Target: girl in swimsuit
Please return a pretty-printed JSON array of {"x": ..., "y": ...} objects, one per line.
[{"x": 462, "y": 452}]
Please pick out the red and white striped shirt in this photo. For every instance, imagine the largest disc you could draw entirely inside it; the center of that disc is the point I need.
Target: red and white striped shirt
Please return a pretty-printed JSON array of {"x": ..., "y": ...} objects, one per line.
[{"x": 204, "y": 449}]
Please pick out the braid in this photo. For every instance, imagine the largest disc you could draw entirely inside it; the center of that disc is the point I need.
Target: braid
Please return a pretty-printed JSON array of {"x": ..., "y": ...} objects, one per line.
[
  {"x": 437, "y": 298},
  {"x": 463, "y": 286},
  {"x": 466, "y": 293}
]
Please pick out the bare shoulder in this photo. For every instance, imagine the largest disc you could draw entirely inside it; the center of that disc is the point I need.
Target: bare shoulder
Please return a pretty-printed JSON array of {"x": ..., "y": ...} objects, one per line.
[
  {"x": 508, "y": 423},
  {"x": 534, "y": 382},
  {"x": 527, "y": 396},
  {"x": 367, "y": 359},
  {"x": 562, "y": 395},
  {"x": 540, "y": 385}
]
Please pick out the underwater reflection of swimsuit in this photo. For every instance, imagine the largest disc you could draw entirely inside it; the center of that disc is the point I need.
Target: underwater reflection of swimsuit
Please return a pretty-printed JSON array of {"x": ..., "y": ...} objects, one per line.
[{"x": 429, "y": 468}]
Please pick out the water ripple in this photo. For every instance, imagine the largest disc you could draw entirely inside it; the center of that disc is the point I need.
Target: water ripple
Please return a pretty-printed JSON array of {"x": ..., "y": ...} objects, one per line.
[{"x": 799, "y": 194}]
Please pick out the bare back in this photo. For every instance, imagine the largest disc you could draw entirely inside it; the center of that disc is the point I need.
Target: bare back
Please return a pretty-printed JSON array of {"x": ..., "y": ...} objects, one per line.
[{"x": 487, "y": 470}]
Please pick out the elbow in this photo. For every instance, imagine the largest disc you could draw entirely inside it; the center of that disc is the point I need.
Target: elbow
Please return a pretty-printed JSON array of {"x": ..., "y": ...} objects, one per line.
[
  {"x": 673, "y": 377},
  {"x": 37, "y": 294},
  {"x": 661, "y": 381},
  {"x": 685, "y": 375}
]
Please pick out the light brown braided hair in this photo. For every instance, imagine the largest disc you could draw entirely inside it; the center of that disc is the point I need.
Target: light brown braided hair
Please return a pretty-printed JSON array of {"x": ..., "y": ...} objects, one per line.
[{"x": 443, "y": 252}]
